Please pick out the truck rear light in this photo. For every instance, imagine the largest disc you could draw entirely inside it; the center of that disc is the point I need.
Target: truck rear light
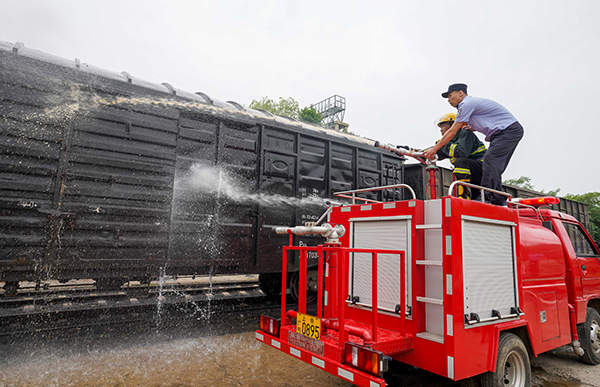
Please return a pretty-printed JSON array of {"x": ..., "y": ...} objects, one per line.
[
  {"x": 365, "y": 359},
  {"x": 270, "y": 325},
  {"x": 536, "y": 202}
]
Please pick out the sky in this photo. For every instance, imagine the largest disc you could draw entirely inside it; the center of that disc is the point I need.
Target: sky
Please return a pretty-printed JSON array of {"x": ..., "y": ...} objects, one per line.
[{"x": 390, "y": 60}]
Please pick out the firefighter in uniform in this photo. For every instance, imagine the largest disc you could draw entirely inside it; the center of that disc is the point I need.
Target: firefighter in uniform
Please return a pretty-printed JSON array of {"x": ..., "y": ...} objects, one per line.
[{"x": 465, "y": 152}]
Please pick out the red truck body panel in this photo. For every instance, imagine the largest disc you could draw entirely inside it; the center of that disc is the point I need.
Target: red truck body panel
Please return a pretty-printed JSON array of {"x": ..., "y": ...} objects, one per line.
[{"x": 544, "y": 277}]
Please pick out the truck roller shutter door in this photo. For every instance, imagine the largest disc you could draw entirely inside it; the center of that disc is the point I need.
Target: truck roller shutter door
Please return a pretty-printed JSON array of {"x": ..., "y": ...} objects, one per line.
[
  {"x": 393, "y": 234},
  {"x": 488, "y": 267}
]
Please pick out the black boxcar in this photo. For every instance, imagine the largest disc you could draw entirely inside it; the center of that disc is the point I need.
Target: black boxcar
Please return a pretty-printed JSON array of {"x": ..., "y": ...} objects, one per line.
[{"x": 109, "y": 177}]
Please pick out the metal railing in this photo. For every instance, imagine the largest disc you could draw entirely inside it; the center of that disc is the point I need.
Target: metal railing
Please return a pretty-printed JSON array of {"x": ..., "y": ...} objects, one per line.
[
  {"x": 482, "y": 198},
  {"x": 344, "y": 194},
  {"x": 482, "y": 189},
  {"x": 517, "y": 205},
  {"x": 342, "y": 285}
]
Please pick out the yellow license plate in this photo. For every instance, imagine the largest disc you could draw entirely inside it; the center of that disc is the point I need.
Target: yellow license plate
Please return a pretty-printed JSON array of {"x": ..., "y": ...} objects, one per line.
[{"x": 308, "y": 326}]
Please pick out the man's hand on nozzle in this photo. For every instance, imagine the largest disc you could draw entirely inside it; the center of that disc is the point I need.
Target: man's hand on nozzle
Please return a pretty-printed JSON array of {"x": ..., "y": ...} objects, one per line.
[{"x": 430, "y": 153}]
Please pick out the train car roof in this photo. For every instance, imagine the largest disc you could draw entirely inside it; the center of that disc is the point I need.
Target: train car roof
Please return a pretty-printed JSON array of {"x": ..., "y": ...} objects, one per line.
[{"x": 200, "y": 99}]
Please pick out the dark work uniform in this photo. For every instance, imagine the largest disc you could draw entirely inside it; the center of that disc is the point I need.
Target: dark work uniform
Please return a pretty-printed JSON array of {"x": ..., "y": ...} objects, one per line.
[
  {"x": 465, "y": 152},
  {"x": 502, "y": 130}
]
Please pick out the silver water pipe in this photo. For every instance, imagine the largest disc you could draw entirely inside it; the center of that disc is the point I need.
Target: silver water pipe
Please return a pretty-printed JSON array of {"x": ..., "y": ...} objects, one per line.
[
  {"x": 332, "y": 233},
  {"x": 406, "y": 151}
]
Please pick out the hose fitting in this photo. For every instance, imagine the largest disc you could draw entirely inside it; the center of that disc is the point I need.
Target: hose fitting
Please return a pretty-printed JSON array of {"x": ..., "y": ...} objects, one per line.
[{"x": 577, "y": 348}]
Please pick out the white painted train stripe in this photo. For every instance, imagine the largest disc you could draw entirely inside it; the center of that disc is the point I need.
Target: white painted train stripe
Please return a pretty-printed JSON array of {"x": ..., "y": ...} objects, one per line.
[
  {"x": 373, "y": 384},
  {"x": 345, "y": 374},
  {"x": 275, "y": 343},
  {"x": 295, "y": 352},
  {"x": 260, "y": 336},
  {"x": 318, "y": 362}
]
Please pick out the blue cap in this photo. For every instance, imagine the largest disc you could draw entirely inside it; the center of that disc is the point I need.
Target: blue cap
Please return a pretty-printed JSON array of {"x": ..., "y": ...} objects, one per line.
[{"x": 455, "y": 87}]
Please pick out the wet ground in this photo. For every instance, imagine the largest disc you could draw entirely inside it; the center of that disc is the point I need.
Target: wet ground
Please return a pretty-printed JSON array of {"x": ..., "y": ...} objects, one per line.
[
  {"x": 230, "y": 360},
  {"x": 227, "y": 360},
  {"x": 220, "y": 351},
  {"x": 155, "y": 359}
]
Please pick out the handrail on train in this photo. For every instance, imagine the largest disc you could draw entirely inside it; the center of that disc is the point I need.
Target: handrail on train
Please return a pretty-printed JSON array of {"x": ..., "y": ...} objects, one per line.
[{"x": 345, "y": 194}]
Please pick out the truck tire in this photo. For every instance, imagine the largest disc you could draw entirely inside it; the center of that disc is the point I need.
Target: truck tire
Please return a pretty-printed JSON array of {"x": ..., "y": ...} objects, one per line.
[
  {"x": 512, "y": 366},
  {"x": 589, "y": 336}
]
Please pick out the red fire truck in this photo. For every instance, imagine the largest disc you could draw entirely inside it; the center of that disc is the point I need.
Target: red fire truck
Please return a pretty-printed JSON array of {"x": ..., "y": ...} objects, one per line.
[{"x": 460, "y": 288}]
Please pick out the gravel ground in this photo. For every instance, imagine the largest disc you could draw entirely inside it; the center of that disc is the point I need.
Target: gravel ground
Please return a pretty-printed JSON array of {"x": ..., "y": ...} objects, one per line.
[{"x": 561, "y": 368}]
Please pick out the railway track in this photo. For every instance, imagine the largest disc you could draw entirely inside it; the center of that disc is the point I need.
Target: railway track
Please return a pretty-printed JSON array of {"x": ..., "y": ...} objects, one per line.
[{"x": 80, "y": 306}]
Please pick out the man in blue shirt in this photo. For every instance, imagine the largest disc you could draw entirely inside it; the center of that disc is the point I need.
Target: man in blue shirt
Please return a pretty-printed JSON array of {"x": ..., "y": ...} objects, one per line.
[{"x": 500, "y": 127}]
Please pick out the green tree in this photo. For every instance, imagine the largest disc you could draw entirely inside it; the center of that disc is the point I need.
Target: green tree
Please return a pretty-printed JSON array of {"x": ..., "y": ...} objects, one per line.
[
  {"x": 525, "y": 182},
  {"x": 592, "y": 199},
  {"x": 553, "y": 192},
  {"x": 309, "y": 114},
  {"x": 284, "y": 107}
]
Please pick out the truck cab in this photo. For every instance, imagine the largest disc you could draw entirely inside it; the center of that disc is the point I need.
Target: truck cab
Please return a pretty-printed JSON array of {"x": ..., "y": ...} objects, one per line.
[{"x": 582, "y": 277}]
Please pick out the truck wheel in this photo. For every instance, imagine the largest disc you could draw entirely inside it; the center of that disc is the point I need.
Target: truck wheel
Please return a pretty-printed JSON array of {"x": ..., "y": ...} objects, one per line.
[
  {"x": 512, "y": 367},
  {"x": 589, "y": 336}
]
